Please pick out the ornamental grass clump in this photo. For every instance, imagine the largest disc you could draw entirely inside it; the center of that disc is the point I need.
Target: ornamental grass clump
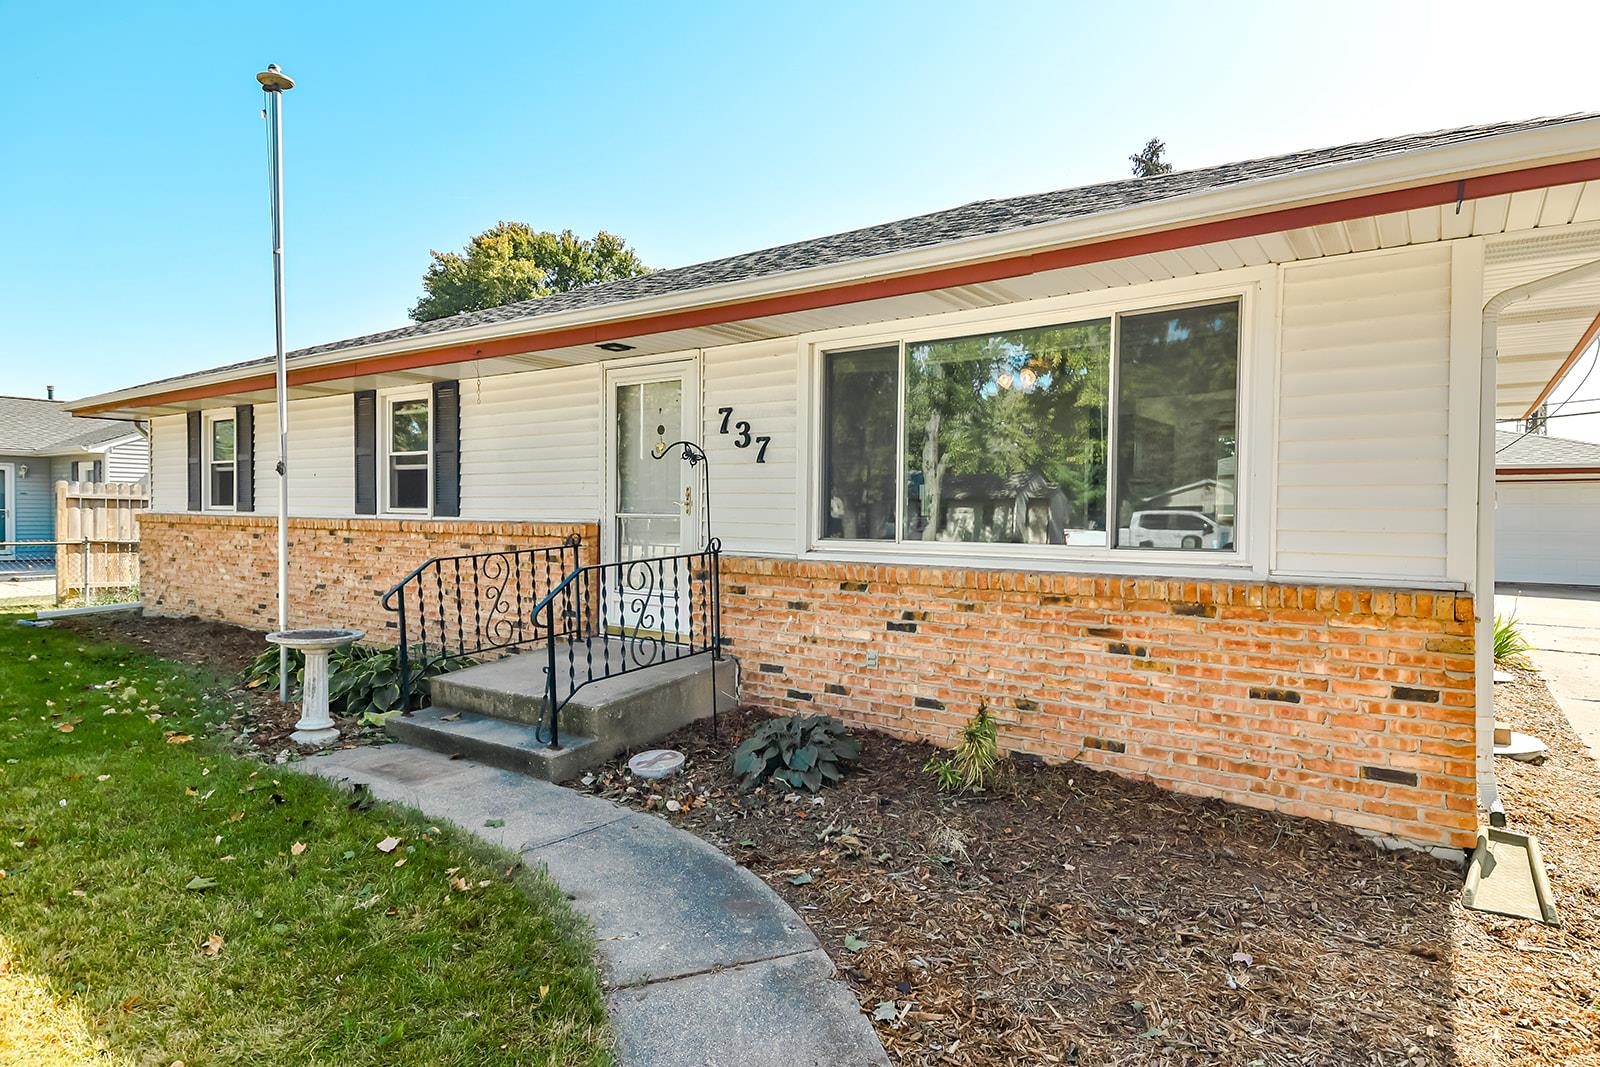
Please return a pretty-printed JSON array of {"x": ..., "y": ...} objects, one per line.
[
  {"x": 795, "y": 752},
  {"x": 976, "y": 760},
  {"x": 1510, "y": 647}
]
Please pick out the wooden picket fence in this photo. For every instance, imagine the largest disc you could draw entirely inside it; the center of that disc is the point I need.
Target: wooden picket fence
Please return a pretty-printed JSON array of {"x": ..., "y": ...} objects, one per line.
[{"x": 97, "y": 539}]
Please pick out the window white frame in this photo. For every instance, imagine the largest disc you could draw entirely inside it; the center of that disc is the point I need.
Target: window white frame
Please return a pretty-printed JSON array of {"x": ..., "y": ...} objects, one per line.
[
  {"x": 210, "y": 463},
  {"x": 76, "y": 469},
  {"x": 1256, "y": 291},
  {"x": 387, "y": 399}
]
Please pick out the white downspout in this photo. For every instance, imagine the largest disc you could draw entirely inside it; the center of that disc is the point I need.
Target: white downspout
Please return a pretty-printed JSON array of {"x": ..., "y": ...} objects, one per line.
[{"x": 1483, "y": 591}]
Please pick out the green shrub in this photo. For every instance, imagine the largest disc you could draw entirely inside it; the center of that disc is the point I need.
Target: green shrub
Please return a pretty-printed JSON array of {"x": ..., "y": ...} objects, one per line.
[
  {"x": 796, "y": 752},
  {"x": 362, "y": 681},
  {"x": 1510, "y": 647},
  {"x": 975, "y": 761}
]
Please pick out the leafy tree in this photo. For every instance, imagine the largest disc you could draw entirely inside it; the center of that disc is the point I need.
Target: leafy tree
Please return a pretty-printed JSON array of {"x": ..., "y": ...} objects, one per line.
[
  {"x": 512, "y": 261},
  {"x": 1150, "y": 160}
]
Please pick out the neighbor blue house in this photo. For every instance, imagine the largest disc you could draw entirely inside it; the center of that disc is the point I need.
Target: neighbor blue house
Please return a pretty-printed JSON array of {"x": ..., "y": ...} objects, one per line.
[{"x": 40, "y": 444}]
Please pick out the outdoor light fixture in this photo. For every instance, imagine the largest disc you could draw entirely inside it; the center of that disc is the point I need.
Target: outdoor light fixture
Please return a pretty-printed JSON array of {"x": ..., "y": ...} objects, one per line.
[
  {"x": 614, "y": 346},
  {"x": 22, "y": 470}
]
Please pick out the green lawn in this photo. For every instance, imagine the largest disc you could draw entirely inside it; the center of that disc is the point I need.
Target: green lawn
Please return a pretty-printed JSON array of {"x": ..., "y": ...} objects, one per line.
[{"x": 157, "y": 903}]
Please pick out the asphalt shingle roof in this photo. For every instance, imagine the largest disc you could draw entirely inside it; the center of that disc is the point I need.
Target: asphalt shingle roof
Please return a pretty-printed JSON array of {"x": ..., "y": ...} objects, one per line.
[
  {"x": 29, "y": 426},
  {"x": 980, "y": 218},
  {"x": 1535, "y": 450}
]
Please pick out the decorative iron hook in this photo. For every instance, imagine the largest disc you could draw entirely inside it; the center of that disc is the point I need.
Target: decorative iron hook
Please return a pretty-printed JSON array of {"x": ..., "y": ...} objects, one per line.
[{"x": 693, "y": 455}]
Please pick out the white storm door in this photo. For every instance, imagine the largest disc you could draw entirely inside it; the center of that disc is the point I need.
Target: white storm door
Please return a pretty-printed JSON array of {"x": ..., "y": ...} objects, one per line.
[
  {"x": 654, "y": 502},
  {"x": 8, "y": 509}
]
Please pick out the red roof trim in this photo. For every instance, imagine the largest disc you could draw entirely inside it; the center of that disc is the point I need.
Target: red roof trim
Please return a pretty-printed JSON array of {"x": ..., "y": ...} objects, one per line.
[{"x": 1431, "y": 195}]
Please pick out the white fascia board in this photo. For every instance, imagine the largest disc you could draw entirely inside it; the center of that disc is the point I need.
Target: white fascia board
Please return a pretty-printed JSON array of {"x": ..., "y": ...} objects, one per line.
[{"x": 1512, "y": 151}]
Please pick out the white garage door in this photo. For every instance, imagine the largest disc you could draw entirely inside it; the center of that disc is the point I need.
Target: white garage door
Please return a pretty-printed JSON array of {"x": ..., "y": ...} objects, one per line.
[{"x": 1548, "y": 532}]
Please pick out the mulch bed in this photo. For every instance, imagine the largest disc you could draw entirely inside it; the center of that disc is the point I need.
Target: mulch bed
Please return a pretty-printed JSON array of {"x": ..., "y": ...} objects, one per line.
[{"x": 1072, "y": 916}]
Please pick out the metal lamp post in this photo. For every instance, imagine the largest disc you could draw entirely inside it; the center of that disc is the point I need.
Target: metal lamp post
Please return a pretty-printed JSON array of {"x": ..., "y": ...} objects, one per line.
[{"x": 274, "y": 83}]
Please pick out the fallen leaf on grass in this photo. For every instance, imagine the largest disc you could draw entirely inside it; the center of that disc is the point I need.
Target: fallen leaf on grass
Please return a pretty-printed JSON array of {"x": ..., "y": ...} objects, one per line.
[
  {"x": 297, "y": 848},
  {"x": 129, "y": 1003},
  {"x": 179, "y": 739},
  {"x": 190, "y": 791},
  {"x": 460, "y": 885},
  {"x": 65, "y": 727},
  {"x": 102, "y": 778},
  {"x": 401, "y": 862},
  {"x": 212, "y": 946},
  {"x": 388, "y": 844},
  {"x": 199, "y": 883}
]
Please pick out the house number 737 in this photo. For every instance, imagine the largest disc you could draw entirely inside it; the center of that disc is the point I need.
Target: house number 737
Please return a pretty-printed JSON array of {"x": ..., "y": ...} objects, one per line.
[{"x": 741, "y": 435}]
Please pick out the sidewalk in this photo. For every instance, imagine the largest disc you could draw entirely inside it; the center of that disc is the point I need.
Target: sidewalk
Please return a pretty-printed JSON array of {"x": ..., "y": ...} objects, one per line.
[
  {"x": 704, "y": 965},
  {"x": 1563, "y": 625}
]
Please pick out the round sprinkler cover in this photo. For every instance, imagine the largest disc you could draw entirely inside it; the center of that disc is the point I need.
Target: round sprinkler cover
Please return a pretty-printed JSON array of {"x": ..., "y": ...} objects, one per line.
[{"x": 657, "y": 763}]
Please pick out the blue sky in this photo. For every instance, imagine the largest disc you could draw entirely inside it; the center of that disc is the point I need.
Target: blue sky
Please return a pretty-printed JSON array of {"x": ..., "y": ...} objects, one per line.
[{"x": 133, "y": 207}]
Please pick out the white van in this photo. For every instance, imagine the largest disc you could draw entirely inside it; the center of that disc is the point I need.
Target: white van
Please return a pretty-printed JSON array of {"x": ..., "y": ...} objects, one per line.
[{"x": 1177, "y": 529}]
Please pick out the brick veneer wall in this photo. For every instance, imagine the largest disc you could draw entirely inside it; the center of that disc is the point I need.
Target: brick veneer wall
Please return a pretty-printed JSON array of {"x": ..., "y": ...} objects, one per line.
[
  {"x": 1354, "y": 705},
  {"x": 1349, "y": 704},
  {"x": 225, "y": 566}
]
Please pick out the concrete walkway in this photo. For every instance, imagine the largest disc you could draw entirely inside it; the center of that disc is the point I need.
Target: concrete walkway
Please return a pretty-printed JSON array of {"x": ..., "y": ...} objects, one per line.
[
  {"x": 1563, "y": 625},
  {"x": 704, "y": 965}
]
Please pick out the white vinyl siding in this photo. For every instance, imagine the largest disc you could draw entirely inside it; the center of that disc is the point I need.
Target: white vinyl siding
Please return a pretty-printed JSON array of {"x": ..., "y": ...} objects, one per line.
[
  {"x": 322, "y": 457},
  {"x": 1363, "y": 418},
  {"x": 169, "y": 458},
  {"x": 128, "y": 461},
  {"x": 530, "y": 446},
  {"x": 754, "y": 506}
]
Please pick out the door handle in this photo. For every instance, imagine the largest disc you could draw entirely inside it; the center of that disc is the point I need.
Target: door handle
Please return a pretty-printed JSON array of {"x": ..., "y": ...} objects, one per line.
[{"x": 688, "y": 500}]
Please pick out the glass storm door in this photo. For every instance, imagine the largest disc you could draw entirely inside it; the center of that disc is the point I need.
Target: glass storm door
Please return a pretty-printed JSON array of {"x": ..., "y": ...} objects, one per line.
[
  {"x": 654, "y": 503},
  {"x": 8, "y": 492}
]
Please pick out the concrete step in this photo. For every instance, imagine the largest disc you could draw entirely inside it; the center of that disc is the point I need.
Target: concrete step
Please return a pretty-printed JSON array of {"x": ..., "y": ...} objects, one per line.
[
  {"x": 511, "y": 746},
  {"x": 631, "y": 709}
]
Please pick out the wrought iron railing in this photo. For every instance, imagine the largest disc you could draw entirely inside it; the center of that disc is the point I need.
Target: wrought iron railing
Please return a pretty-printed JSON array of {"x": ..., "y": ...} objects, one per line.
[
  {"x": 609, "y": 619},
  {"x": 468, "y": 605}
]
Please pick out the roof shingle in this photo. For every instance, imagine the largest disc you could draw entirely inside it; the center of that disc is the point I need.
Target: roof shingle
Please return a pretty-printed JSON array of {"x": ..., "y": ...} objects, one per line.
[
  {"x": 29, "y": 426},
  {"x": 980, "y": 218},
  {"x": 1536, "y": 450}
]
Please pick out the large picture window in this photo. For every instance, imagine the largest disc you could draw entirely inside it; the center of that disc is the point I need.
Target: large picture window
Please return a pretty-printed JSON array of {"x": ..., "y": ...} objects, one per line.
[{"x": 1117, "y": 432}]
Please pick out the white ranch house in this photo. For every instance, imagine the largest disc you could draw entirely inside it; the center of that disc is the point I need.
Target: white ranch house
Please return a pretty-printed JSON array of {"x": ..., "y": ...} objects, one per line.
[{"x": 928, "y": 442}]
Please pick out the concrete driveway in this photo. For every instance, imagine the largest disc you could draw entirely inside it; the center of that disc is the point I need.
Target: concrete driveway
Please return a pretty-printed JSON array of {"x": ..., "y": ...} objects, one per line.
[{"x": 1563, "y": 625}]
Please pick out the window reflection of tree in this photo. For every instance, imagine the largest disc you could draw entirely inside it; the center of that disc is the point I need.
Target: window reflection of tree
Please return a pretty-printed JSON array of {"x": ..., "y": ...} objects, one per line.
[
  {"x": 1178, "y": 377},
  {"x": 1005, "y": 435}
]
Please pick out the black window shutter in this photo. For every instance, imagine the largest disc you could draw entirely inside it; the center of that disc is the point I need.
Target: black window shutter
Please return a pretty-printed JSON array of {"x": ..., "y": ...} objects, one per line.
[
  {"x": 244, "y": 458},
  {"x": 367, "y": 452},
  {"x": 447, "y": 449},
  {"x": 195, "y": 462}
]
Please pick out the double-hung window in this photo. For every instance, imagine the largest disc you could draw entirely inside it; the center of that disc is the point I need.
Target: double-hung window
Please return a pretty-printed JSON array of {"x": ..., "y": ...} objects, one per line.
[
  {"x": 408, "y": 462},
  {"x": 221, "y": 474},
  {"x": 1114, "y": 432}
]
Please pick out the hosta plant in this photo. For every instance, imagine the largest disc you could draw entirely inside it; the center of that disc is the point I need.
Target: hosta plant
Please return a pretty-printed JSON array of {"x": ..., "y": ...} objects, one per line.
[
  {"x": 975, "y": 761},
  {"x": 362, "y": 681},
  {"x": 795, "y": 752}
]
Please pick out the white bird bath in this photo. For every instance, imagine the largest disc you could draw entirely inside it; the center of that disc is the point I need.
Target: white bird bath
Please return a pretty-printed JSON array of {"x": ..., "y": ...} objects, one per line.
[{"x": 316, "y": 725}]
